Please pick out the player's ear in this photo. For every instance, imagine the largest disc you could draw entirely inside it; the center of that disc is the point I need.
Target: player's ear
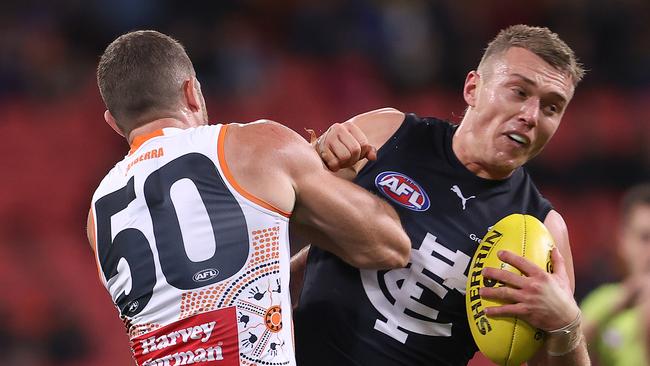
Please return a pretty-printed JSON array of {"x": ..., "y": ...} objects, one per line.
[
  {"x": 192, "y": 93},
  {"x": 470, "y": 88},
  {"x": 108, "y": 117}
]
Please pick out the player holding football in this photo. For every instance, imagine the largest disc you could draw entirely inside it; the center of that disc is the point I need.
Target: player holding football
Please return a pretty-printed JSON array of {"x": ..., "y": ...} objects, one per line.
[
  {"x": 190, "y": 229},
  {"x": 449, "y": 184}
]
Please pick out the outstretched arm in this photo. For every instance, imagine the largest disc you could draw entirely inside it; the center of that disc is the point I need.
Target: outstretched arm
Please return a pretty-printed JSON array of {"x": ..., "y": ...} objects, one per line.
[
  {"x": 355, "y": 225},
  {"x": 544, "y": 300},
  {"x": 344, "y": 148},
  {"x": 352, "y": 223}
]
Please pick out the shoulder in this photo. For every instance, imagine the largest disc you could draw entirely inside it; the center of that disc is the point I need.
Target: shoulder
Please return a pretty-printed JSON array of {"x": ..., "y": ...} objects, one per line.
[
  {"x": 269, "y": 159},
  {"x": 555, "y": 223},
  {"x": 114, "y": 179},
  {"x": 263, "y": 130},
  {"x": 386, "y": 117},
  {"x": 271, "y": 142},
  {"x": 379, "y": 125}
]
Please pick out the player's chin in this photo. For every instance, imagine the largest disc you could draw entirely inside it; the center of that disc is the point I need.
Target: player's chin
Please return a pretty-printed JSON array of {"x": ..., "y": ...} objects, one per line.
[
  {"x": 513, "y": 157},
  {"x": 508, "y": 164}
]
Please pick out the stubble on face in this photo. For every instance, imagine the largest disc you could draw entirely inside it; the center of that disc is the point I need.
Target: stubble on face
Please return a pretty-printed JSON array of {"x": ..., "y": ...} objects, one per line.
[{"x": 510, "y": 121}]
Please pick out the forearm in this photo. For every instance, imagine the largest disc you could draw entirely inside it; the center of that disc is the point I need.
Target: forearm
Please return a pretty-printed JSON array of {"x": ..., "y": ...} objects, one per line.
[
  {"x": 378, "y": 242},
  {"x": 362, "y": 229}
]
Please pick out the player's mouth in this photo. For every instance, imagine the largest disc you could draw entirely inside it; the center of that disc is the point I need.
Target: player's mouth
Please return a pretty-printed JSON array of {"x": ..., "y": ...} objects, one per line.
[{"x": 519, "y": 138}]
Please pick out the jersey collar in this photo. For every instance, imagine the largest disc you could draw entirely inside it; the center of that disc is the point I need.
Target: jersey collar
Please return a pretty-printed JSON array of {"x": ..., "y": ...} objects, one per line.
[{"x": 141, "y": 139}]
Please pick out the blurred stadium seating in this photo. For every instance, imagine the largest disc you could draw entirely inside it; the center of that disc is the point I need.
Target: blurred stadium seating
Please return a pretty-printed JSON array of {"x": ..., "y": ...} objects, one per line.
[{"x": 306, "y": 64}]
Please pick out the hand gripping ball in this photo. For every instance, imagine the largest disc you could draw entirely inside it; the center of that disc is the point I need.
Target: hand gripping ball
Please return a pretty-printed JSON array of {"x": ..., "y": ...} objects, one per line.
[{"x": 506, "y": 340}]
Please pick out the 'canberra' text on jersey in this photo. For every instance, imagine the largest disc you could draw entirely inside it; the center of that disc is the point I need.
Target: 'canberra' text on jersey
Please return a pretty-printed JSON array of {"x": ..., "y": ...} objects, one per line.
[{"x": 413, "y": 315}]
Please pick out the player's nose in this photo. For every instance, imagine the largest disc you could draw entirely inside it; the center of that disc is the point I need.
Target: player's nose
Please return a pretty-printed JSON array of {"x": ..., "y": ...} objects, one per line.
[{"x": 529, "y": 112}]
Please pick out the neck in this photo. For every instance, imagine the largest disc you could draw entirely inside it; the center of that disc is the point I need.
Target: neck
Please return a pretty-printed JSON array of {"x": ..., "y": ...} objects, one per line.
[{"x": 158, "y": 124}]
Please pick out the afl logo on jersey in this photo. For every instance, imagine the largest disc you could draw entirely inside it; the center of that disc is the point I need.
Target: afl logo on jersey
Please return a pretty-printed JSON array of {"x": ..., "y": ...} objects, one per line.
[
  {"x": 205, "y": 275},
  {"x": 402, "y": 190}
]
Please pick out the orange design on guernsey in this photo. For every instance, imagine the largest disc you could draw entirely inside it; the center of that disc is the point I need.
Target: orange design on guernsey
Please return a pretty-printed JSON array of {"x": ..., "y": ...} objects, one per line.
[
  {"x": 241, "y": 291},
  {"x": 265, "y": 248},
  {"x": 231, "y": 179},
  {"x": 138, "y": 330},
  {"x": 140, "y": 139},
  {"x": 273, "y": 318}
]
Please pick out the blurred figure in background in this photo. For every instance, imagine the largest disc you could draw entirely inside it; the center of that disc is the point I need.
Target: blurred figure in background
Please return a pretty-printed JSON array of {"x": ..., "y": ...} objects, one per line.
[
  {"x": 348, "y": 49},
  {"x": 617, "y": 316}
]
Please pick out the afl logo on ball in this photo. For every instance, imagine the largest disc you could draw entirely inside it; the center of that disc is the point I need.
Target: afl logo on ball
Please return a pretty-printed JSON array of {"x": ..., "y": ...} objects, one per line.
[{"x": 402, "y": 190}]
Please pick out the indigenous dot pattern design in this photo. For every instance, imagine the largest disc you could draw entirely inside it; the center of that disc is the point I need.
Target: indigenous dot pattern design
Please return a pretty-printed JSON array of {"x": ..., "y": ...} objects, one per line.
[
  {"x": 138, "y": 330},
  {"x": 256, "y": 293}
]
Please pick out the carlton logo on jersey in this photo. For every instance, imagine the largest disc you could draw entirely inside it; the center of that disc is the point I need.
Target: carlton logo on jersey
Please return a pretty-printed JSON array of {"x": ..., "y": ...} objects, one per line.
[
  {"x": 402, "y": 190},
  {"x": 398, "y": 294}
]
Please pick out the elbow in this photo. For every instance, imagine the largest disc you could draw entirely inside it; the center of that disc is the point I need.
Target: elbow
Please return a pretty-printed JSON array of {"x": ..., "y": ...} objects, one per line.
[
  {"x": 394, "y": 250},
  {"x": 394, "y": 245},
  {"x": 387, "y": 254},
  {"x": 395, "y": 260},
  {"x": 397, "y": 248},
  {"x": 400, "y": 252},
  {"x": 404, "y": 257},
  {"x": 384, "y": 260}
]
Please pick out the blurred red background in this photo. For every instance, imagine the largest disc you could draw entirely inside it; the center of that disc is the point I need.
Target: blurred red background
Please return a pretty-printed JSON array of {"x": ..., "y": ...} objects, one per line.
[{"x": 306, "y": 64}]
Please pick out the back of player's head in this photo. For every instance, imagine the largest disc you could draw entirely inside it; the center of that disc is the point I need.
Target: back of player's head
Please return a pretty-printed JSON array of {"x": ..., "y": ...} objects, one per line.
[
  {"x": 540, "y": 41},
  {"x": 638, "y": 195},
  {"x": 140, "y": 77}
]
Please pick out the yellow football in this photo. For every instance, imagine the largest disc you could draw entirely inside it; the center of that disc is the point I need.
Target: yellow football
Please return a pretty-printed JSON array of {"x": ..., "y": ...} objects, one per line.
[{"x": 506, "y": 340}]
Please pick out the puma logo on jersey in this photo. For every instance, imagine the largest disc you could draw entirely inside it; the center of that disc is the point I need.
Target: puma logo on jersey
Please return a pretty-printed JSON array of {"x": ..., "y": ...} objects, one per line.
[
  {"x": 402, "y": 190},
  {"x": 463, "y": 200}
]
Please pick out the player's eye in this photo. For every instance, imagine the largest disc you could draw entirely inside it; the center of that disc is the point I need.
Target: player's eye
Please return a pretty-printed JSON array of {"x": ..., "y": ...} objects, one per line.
[
  {"x": 519, "y": 92},
  {"x": 551, "y": 109}
]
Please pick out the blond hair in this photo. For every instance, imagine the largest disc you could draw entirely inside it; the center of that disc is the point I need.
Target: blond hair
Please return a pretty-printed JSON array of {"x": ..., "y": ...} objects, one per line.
[{"x": 540, "y": 41}]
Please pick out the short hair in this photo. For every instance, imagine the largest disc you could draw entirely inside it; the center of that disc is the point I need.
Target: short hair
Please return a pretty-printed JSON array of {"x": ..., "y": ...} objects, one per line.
[
  {"x": 540, "y": 41},
  {"x": 638, "y": 195},
  {"x": 140, "y": 77}
]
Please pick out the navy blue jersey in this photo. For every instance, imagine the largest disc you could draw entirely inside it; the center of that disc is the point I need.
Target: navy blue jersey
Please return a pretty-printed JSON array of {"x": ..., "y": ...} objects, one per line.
[{"x": 414, "y": 315}]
